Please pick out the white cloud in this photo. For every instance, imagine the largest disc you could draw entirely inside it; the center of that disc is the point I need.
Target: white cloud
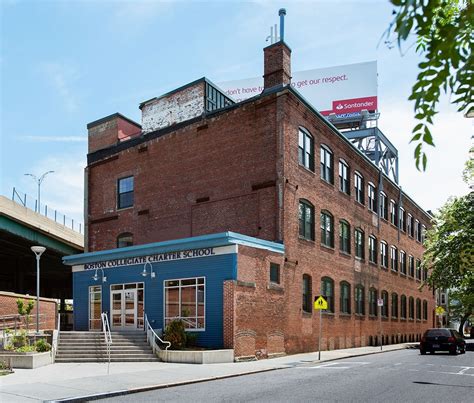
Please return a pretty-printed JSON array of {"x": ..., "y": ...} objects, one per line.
[
  {"x": 62, "y": 76},
  {"x": 59, "y": 139}
]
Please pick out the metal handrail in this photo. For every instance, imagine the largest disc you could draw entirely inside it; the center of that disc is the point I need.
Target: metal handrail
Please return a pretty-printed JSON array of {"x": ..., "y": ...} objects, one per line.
[
  {"x": 151, "y": 336},
  {"x": 55, "y": 338},
  {"x": 107, "y": 335}
]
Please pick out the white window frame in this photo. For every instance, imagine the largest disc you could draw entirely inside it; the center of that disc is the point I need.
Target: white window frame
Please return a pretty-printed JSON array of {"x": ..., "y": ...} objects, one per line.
[
  {"x": 372, "y": 201},
  {"x": 196, "y": 285},
  {"x": 89, "y": 306}
]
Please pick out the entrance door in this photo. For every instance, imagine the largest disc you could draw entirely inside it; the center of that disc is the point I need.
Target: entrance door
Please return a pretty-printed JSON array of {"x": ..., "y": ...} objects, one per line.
[{"x": 124, "y": 309}]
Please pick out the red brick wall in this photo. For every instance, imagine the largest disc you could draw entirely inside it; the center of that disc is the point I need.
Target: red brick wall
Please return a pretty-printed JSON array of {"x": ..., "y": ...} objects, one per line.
[{"x": 48, "y": 310}]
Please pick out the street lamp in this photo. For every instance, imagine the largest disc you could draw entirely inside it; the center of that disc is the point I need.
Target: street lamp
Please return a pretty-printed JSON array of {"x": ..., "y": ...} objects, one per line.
[
  {"x": 96, "y": 277},
  {"x": 39, "y": 181},
  {"x": 144, "y": 272},
  {"x": 38, "y": 251}
]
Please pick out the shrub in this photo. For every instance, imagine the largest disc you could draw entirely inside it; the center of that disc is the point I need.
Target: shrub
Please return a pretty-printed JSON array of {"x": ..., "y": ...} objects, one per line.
[
  {"x": 42, "y": 345},
  {"x": 175, "y": 334},
  {"x": 25, "y": 349},
  {"x": 19, "y": 339},
  {"x": 191, "y": 339}
]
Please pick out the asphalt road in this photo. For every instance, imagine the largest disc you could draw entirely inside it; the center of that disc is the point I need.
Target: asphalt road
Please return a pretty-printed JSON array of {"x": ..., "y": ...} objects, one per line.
[{"x": 398, "y": 376}]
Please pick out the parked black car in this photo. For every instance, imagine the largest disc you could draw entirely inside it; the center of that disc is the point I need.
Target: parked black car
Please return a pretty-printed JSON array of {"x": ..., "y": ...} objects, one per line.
[{"x": 442, "y": 340}]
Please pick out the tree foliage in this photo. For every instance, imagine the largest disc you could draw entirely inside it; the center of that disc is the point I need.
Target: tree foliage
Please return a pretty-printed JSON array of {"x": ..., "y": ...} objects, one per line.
[
  {"x": 444, "y": 37},
  {"x": 449, "y": 254}
]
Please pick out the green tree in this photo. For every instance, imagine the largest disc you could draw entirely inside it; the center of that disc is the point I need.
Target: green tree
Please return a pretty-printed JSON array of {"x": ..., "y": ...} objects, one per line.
[
  {"x": 442, "y": 31},
  {"x": 449, "y": 254},
  {"x": 25, "y": 310}
]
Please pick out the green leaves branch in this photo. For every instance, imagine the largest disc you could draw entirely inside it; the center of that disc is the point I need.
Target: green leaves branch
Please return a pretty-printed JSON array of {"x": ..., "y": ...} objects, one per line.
[{"x": 444, "y": 36}]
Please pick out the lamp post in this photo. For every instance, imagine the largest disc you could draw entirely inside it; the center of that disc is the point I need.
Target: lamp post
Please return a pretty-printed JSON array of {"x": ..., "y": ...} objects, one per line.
[
  {"x": 39, "y": 181},
  {"x": 38, "y": 251}
]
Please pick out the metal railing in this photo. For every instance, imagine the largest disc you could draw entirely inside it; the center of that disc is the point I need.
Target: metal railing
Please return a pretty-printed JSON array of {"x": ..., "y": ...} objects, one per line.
[
  {"x": 107, "y": 335},
  {"x": 17, "y": 321},
  {"x": 55, "y": 338},
  {"x": 32, "y": 203},
  {"x": 151, "y": 337}
]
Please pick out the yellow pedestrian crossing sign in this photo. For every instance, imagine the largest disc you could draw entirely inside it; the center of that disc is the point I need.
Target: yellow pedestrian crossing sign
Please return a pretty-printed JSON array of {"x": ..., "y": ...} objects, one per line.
[
  {"x": 440, "y": 310},
  {"x": 320, "y": 303}
]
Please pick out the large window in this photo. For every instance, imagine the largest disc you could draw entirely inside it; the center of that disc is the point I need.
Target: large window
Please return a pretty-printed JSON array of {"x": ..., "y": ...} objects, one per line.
[
  {"x": 393, "y": 212},
  {"x": 359, "y": 243},
  {"x": 383, "y": 206},
  {"x": 125, "y": 192},
  {"x": 418, "y": 309},
  {"x": 410, "y": 225},
  {"x": 394, "y": 305},
  {"x": 401, "y": 218},
  {"x": 306, "y": 149},
  {"x": 403, "y": 307},
  {"x": 327, "y": 229},
  {"x": 418, "y": 269},
  {"x": 359, "y": 300},
  {"x": 326, "y": 165},
  {"x": 372, "y": 197},
  {"x": 384, "y": 308},
  {"x": 359, "y": 187},
  {"x": 185, "y": 300},
  {"x": 383, "y": 254},
  {"x": 372, "y": 249},
  {"x": 327, "y": 291},
  {"x": 411, "y": 266},
  {"x": 417, "y": 225},
  {"x": 344, "y": 179},
  {"x": 307, "y": 293},
  {"x": 403, "y": 262},
  {"x": 423, "y": 233},
  {"x": 373, "y": 302},
  {"x": 306, "y": 219},
  {"x": 95, "y": 307},
  {"x": 345, "y": 297},
  {"x": 411, "y": 308},
  {"x": 345, "y": 236},
  {"x": 394, "y": 258},
  {"x": 425, "y": 310},
  {"x": 125, "y": 239}
]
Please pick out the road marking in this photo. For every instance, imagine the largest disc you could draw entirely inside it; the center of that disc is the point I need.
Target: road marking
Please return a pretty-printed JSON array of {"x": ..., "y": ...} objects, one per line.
[
  {"x": 464, "y": 370},
  {"x": 337, "y": 365}
]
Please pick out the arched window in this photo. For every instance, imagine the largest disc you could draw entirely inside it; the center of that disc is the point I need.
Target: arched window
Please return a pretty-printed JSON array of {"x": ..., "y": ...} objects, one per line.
[
  {"x": 373, "y": 302},
  {"x": 306, "y": 149},
  {"x": 359, "y": 300},
  {"x": 372, "y": 197},
  {"x": 418, "y": 309},
  {"x": 306, "y": 219},
  {"x": 327, "y": 173},
  {"x": 359, "y": 187},
  {"x": 327, "y": 229},
  {"x": 344, "y": 236},
  {"x": 384, "y": 295},
  {"x": 125, "y": 239},
  {"x": 372, "y": 249},
  {"x": 411, "y": 308},
  {"x": 345, "y": 297},
  {"x": 394, "y": 305},
  {"x": 307, "y": 293},
  {"x": 344, "y": 177},
  {"x": 425, "y": 310},
  {"x": 327, "y": 291},
  {"x": 383, "y": 206},
  {"x": 403, "y": 307},
  {"x": 359, "y": 243}
]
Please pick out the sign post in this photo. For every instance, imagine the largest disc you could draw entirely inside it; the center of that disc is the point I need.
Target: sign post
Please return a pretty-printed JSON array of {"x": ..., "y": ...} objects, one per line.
[
  {"x": 380, "y": 304},
  {"x": 319, "y": 304},
  {"x": 439, "y": 312}
]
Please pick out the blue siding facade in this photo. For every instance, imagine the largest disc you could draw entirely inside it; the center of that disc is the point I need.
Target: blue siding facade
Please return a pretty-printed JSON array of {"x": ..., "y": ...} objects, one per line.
[{"x": 215, "y": 270}]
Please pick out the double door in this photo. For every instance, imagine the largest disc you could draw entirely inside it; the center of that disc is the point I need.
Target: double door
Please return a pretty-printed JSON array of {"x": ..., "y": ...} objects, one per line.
[{"x": 124, "y": 310}]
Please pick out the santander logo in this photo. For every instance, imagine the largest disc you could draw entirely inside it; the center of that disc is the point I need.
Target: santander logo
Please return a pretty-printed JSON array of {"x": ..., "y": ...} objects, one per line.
[
  {"x": 354, "y": 105},
  {"x": 339, "y": 107}
]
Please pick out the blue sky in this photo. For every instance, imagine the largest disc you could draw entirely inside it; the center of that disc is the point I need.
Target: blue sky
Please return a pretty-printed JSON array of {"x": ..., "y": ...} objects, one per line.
[{"x": 66, "y": 63}]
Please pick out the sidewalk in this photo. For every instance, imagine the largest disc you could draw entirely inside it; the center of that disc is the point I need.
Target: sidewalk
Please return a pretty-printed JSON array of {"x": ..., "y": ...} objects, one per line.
[{"x": 75, "y": 381}]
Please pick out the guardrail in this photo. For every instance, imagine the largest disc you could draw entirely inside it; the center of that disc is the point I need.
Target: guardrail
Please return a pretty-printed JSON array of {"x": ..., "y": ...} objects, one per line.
[
  {"x": 151, "y": 337},
  {"x": 107, "y": 335}
]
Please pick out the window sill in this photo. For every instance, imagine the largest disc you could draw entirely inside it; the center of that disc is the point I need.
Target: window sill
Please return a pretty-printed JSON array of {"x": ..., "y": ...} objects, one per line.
[
  {"x": 304, "y": 240},
  {"x": 345, "y": 194},
  {"x": 395, "y": 272},
  {"x": 327, "y": 248},
  {"x": 394, "y": 318},
  {"x": 329, "y": 314},
  {"x": 360, "y": 259},
  {"x": 124, "y": 208},
  {"x": 373, "y": 264},
  {"x": 359, "y": 316},
  {"x": 307, "y": 314},
  {"x": 307, "y": 170},
  {"x": 403, "y": 274},
  {"x": 358, "y": 203},
  {"x": 345, "y": 254},
  {"x": 275, "y": 287},
  {"x": 325, "y": 182},
  {"x": 373, "y": 317},
  {"x": 403, "y": 319},
  {"x": 345, "y": 315},
  {"x": 384, "y": 268}
]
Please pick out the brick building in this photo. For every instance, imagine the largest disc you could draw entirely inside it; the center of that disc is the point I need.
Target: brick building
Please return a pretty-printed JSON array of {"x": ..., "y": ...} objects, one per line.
[{"x": 314, "y": 214}]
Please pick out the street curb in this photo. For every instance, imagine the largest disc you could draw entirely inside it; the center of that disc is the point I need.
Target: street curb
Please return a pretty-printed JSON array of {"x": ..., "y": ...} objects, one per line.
[{"x": 103, "y": 395}]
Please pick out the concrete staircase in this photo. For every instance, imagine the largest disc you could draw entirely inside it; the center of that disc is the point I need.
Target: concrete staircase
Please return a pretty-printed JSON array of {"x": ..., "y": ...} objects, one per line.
[{"x": 91, "y": 347}]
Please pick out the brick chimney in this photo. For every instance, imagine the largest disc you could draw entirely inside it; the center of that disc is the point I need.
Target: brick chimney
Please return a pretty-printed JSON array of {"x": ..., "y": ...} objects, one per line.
[
  {"x": 111, "y": 130},
  {"x": 277, "y": 65}
]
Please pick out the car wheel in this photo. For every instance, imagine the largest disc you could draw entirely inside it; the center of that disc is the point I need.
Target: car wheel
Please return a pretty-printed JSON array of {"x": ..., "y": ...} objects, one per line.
[{"x": 422, "y": 352}]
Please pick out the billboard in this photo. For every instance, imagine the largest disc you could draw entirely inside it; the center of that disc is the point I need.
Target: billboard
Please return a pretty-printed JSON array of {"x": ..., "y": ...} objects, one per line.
[{"x": 345, "y": 90}]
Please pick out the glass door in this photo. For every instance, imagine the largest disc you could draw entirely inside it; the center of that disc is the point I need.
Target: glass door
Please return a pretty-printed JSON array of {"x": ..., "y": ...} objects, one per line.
[
  {"x": 126, "y": 306},
  {"x": 129, "y": 318},
  {"x": 116, "y": 310}
]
